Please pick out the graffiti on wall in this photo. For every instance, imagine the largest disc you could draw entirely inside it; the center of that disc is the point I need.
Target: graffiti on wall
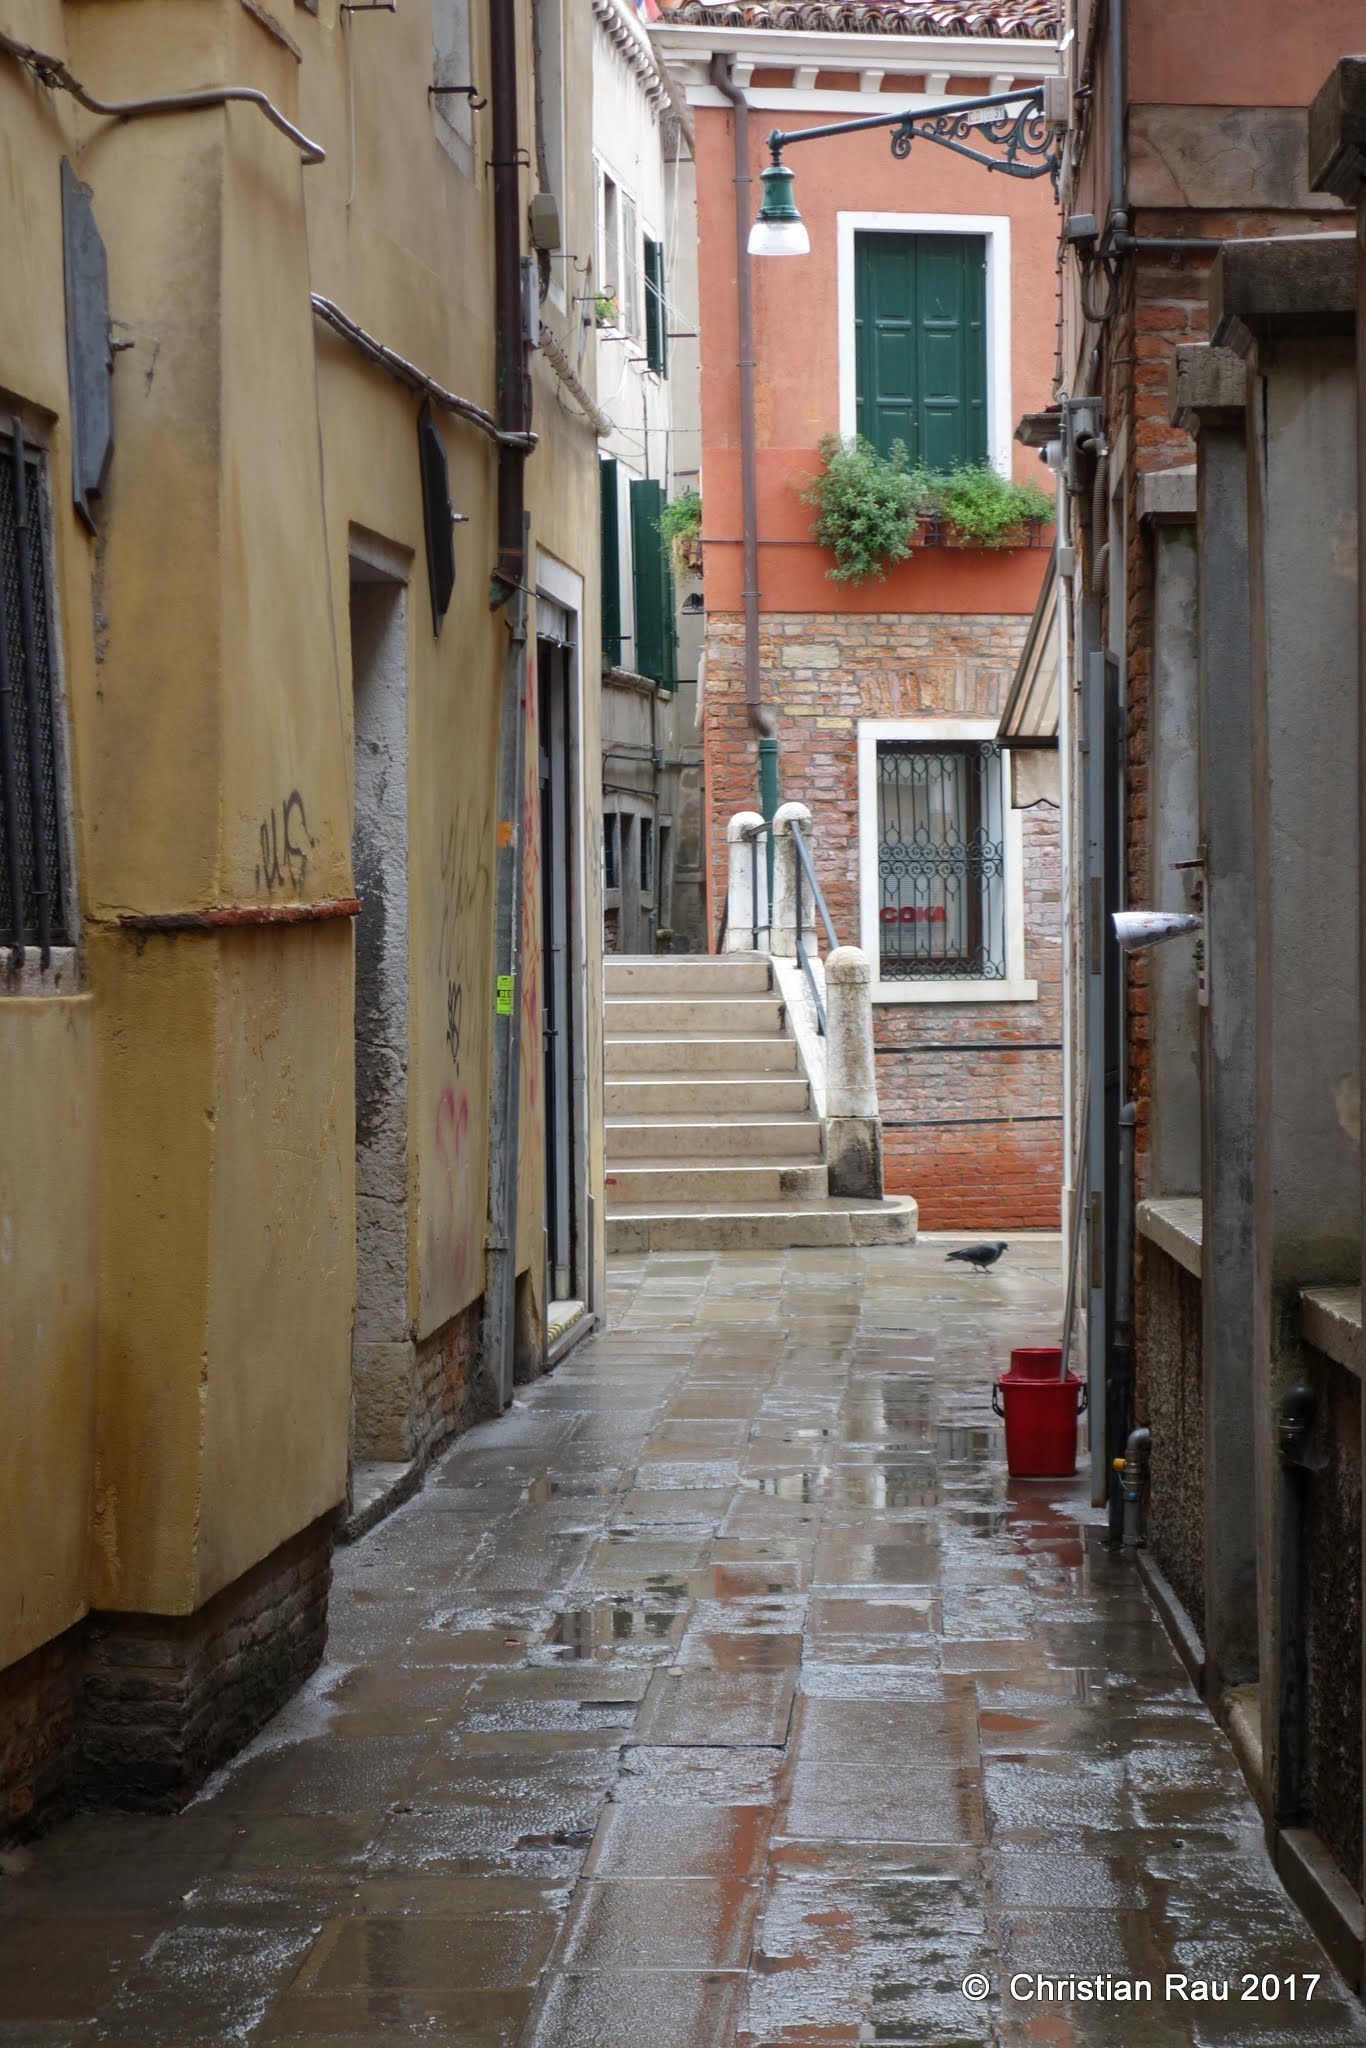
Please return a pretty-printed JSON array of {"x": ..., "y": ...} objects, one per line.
[
  {"x": 284, "y": 845},
  {"x": 447, "y": 1233},
  {"x": 465, "y": 890}
]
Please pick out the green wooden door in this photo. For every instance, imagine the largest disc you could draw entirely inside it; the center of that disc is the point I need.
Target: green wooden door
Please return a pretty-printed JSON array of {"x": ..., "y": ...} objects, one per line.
[{"x": 920, "y": 345}]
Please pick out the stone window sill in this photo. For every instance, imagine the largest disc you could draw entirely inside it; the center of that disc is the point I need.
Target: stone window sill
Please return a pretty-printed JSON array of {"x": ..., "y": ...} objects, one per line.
[
  {"x": 1176, "y": 1227},
  {"x": 1330, "y": 1320},
  {"x": 62, "y": 977},
  {"x": 956, "y": 992}
]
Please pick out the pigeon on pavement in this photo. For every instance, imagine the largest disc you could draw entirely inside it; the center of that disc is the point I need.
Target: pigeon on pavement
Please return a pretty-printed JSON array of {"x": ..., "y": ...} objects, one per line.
[{"x": 981, "y": 1256}]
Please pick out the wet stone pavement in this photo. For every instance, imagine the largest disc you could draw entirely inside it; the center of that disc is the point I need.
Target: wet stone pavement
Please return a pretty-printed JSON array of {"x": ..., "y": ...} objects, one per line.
[{"x": 725, "y": 1691}]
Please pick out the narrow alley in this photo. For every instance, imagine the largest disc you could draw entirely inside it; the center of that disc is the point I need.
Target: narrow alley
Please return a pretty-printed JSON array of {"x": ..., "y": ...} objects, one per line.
[{"x": 722, "y": 1691}]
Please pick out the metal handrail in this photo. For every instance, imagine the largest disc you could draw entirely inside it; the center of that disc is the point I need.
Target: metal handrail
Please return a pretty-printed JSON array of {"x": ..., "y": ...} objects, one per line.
[{"x": 804, "y": 867}]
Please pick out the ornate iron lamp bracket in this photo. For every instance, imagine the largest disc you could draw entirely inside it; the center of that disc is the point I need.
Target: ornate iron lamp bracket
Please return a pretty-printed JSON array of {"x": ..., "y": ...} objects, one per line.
[{"x": 1006, "y": 132}]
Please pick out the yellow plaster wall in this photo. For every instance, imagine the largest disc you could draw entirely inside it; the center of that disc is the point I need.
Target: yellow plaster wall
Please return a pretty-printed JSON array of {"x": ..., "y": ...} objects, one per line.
[
  {"x": 49, "y": 1197},
  {"x": 190, "y": 1405},
  {"x": 155, "y": 1004},
  {"x": 48, "y": 1299},
  {"x": 276, "y": 1390}
]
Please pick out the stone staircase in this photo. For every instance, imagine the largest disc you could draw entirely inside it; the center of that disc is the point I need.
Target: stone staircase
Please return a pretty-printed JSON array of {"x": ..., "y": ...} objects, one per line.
[{"x": 712, "y": 1140}]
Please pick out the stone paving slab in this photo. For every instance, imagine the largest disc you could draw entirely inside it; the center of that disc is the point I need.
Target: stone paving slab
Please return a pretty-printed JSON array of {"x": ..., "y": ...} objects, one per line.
[{"x": 724, "y": 1694}]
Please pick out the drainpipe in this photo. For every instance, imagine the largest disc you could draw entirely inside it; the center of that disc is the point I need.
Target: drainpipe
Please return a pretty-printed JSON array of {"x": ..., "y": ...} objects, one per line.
[
  {"x": 1120, "y": 1391},
  {"x": 1131, "y": 1481},
  {"x": 1119, "y": 210},
  {"x": 1296, "y": 1444},
  {"x": 493, "y": 1377},
  {"x": 761, "y": 718},
  {"x": 514, "y": 395}
]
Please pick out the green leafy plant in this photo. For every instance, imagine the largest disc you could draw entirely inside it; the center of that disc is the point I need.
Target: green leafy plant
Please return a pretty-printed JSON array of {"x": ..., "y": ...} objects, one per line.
[
  {"x": 605, "y": 308},
  {"x": 867, "y": 507},
  {"x": 985, "y": 509},
  {"x": 680, "y": 528}
]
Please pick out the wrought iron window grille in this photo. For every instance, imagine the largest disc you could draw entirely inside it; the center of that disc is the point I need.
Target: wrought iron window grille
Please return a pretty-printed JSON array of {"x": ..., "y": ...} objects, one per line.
[
  {"x": 32, "y": 898},
  {"x": 941, "y": 861}
]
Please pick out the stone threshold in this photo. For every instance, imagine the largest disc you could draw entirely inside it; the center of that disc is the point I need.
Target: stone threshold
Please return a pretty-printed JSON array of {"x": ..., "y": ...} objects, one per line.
[
  {"x": 378, "y": 1486},
  {"x": 567, "y": 1324}
]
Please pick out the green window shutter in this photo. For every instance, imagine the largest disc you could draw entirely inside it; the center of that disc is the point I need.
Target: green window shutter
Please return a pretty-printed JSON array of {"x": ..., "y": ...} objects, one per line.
[
  {"x": 655, "y": 651},
  {"x": 656, "y": 317},
  {"x": 920, "y": 346},
  {"x": 611, "y": 565}
]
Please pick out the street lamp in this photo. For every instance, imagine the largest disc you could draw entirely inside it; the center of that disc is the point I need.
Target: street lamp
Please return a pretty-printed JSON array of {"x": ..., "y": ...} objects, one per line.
[
  {"x": 780, "y": 229},
  {"x": 1014, "y": 132}
]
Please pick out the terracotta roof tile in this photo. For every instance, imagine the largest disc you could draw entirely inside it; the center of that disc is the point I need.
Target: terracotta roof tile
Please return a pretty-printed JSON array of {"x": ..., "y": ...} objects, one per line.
[{"x": 1034, "y": 20}]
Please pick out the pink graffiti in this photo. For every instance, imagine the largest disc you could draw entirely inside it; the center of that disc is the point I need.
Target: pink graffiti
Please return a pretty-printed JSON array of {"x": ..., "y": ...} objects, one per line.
[{"x": 447, "y": 1236}]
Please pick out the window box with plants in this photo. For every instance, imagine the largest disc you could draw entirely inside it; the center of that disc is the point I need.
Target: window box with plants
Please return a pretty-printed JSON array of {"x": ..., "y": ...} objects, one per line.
[
  {"x": 872, "y": 510},
  {"x": 680, "y": 527}
]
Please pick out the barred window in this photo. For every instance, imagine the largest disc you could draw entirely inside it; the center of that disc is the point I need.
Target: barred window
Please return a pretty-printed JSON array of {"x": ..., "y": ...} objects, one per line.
[
  {"x": 32, "y": 899},
  {"x": 941, "y": 861}
]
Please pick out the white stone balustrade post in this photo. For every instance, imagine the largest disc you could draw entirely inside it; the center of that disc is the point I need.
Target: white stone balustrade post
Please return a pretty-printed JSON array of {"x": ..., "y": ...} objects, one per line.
[
  {"x": 785, "y": 883},
  {"x": 853, "y": 1128},
  {"x": 746, "y": 875}
]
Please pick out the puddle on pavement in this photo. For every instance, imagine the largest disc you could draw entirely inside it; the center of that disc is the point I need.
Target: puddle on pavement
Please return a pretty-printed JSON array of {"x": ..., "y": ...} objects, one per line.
[{"x": 607, "y": 1631}]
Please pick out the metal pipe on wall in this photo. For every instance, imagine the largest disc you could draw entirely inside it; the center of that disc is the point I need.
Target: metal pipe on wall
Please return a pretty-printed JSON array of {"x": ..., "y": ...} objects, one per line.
[
  {"x": 514, "y": 395},
  {"x": 760, "y": 717},
  {"x": 508, "y": 587}
]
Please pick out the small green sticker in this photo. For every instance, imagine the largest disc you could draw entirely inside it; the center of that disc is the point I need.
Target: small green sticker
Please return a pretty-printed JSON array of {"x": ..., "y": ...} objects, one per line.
[{"x": 502, "y": 1005}]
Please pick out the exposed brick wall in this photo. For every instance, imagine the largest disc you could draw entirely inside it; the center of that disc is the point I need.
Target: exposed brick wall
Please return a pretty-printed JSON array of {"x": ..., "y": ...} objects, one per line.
[
  {"x": 970, "y": 1093},
  {"x": 164, "y": 1700},
  {"x": 39, "y": 1699},
  {"x": 135, "y": 1710},
  {"x": 444, "y": 1374}
]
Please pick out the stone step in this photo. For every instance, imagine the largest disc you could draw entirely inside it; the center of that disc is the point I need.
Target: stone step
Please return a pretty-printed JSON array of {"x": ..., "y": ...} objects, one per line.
[
  {"x": 683, "y": 974},
  {"x": 648, "y": 1052},
  {"x": 752, "y": 1139},
  {"x": 716, "y": 1096},
  {"x": 776, "y": 1226},
  {"x": 663, "y": 1182},
  {"x": 695, "y": 1016}
]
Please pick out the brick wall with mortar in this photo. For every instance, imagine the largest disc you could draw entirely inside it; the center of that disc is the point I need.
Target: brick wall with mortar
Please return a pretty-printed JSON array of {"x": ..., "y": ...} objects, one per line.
[
  {"x": 135, "y": 1710},
  {"x": 970, "y": 1093},
  {"x": 39, "y": 1703},
  {"x": 444, "y": 1392},
  {"x": 165, "y": 1700}
]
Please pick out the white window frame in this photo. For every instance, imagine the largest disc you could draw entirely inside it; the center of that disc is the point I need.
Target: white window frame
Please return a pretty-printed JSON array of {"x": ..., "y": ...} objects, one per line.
[
  {"x": 995, "y": 230},
  {"x": 452, "y": 53},
  {"x": 936, "y": 731}
]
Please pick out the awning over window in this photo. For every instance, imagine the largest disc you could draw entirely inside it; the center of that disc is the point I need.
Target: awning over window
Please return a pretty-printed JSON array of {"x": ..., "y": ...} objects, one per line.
[{"x": 1029, "y": 722}]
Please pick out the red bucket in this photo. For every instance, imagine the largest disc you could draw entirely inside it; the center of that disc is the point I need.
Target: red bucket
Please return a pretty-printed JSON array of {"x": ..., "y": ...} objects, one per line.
[
  {"x": 1040, "y": 1408},
  {"x": 1037, "y": 1362}
]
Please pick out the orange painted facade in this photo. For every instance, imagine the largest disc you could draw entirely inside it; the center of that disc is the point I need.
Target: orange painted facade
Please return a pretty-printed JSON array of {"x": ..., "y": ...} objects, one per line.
[
  {"x": 970, "y": 1090},
  {"x": 796, "y": 336}
]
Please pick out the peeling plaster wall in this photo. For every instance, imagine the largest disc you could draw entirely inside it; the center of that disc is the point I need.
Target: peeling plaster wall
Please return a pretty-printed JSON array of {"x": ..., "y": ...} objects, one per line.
[{"x": 379, "y": 665}]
